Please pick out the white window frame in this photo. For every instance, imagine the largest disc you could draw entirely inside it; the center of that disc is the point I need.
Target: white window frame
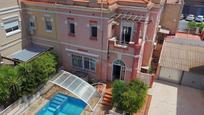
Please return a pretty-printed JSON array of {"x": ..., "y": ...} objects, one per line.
[
  {"x": 14, "y": 19},
  {"x": 51, "y": 22},
  {"x": 127, "y": 24},
  {"x": 83, "y": 59}
]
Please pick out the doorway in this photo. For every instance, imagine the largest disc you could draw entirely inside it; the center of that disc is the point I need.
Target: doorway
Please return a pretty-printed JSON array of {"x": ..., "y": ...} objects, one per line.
[{"x": 118, "y": 71}]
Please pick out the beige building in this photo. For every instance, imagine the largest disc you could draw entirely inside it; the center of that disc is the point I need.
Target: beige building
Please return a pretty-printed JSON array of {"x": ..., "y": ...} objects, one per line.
[
  {"x": 182, "y": 62},
  {"x": 10, "y": 27},
  {"x": 171, "y": 15}
]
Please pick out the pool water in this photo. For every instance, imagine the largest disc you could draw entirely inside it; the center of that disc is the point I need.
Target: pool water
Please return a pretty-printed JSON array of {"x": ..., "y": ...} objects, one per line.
[{"x": 61, "y": 104}]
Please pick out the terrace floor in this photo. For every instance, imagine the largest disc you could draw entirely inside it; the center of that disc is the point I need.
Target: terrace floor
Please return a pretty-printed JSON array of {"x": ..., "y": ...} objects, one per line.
[{"x": 173, "y": 99}]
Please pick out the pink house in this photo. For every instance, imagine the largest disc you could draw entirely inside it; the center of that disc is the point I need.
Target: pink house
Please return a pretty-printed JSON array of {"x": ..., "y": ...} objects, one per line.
[{"x": 108, "y": 40}]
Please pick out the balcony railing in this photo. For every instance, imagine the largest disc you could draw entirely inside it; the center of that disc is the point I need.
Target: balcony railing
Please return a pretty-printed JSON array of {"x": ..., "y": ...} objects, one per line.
[{"x": 117, "y": 43}]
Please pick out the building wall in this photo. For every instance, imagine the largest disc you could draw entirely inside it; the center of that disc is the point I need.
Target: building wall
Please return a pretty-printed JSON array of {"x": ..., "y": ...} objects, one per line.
[
  {"x": 9, "y": 43},
  {"x": 171, "y": 16},
  {"x": 101, "y": 49}
]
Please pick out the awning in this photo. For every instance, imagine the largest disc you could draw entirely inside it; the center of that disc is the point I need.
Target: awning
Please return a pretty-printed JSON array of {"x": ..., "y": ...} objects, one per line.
[
  {"x": 28, "y": 53},
  {"x": 78, "y": 87}
]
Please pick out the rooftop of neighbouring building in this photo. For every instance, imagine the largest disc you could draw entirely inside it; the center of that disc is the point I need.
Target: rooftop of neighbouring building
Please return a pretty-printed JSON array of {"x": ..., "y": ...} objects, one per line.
[
  {"x": 189, "y": 42},
  {"x": 174, "y": 1},
  {"x": 186, "y": 36}
]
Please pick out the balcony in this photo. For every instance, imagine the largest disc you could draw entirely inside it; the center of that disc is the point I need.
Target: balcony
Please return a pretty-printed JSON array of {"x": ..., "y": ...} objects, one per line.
[
  {"x": 130, "y": 48},
  {"x": 114, "y": 41}
]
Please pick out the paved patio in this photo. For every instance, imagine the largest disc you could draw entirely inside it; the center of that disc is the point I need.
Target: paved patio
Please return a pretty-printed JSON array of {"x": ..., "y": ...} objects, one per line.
[{"x": 172, "y": 99}]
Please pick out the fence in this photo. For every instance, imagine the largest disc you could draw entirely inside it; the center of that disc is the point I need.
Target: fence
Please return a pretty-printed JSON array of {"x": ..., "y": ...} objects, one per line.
[{"x": 146, "y": 78}]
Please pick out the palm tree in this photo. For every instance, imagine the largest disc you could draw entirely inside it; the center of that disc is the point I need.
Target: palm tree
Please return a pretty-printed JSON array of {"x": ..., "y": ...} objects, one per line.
[
  {"x": 14, "y": 84},
  {"x": 11, "y": 80}
]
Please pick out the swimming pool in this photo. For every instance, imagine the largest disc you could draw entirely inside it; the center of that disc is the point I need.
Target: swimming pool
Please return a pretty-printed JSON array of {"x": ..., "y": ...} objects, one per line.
[{"x": 61, "y": 104}]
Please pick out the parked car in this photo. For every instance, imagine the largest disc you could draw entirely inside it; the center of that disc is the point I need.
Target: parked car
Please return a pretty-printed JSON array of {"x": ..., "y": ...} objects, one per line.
[
  {"x": 199, "y": 18},
  {"x": 190, "y": 17},
  {"x": 181, "y": 17}
]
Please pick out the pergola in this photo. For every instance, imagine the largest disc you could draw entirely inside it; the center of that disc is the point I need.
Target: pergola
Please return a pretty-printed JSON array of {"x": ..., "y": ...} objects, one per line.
[
  {"x": 79, "y": 88},
  {"x": 131, "y": 17}
]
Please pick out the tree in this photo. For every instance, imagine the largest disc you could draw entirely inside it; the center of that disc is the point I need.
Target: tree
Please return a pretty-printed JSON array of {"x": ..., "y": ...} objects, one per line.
[
  {"x": 129, "y": 97},
  {"x": 192, "y": 25}
]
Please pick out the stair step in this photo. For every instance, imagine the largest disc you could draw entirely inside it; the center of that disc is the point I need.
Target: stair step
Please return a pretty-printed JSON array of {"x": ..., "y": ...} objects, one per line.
[
  {"x": 107, "y": 99},
  {"x": 61, "y": 96},
  {"x": 56, "y": 102},
  {"x": 54, "y": 105},
  {"x": 109, "y": 93},
  {"x": 107, "y": 96},
  {"x": 52, "y": 109},
  {"x": 59, "y": 99},
  {"x": 106, "y": 103}
]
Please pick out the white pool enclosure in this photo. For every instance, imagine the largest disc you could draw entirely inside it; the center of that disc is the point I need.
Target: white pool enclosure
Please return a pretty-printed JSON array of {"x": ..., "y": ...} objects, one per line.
[{"x": 78, "y": 87}]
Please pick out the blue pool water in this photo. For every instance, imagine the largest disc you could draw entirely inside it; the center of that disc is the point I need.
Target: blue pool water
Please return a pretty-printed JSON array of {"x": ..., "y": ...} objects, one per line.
[{"x": 61, "y": 104}]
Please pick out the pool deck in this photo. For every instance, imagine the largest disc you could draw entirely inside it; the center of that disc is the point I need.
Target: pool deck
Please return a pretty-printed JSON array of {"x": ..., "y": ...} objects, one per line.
[{"x": 36, "y": 106}]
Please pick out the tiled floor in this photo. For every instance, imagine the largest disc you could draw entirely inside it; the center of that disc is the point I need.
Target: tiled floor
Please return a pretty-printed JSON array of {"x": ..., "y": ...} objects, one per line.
[{"x": 172, "y": 99}]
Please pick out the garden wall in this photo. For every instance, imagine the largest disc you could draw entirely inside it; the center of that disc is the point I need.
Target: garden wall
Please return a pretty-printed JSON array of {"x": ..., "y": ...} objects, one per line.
[{"x": 19, "y": 106}]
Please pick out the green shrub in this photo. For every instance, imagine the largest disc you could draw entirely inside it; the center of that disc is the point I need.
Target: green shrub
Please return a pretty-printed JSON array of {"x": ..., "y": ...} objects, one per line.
[
  {"x": 37, "y": 72},
  {"x": 129, "y": 97}
]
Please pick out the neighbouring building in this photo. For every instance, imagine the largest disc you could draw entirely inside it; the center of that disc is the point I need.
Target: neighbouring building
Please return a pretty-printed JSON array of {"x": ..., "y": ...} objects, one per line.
[
  {"x": 10, "y": 27},
  {"x": 182, "y": 62},
  {"x": 169, "y": 23},
  {"x": 171, "y": 15},
  {"x": 107, "y": 40}
]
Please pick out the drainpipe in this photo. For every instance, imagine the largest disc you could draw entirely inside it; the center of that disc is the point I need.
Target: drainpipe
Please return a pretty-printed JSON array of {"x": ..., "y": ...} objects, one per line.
[
  {"x": 137, "y": 36},
  {"x": 101, "y": 16}
]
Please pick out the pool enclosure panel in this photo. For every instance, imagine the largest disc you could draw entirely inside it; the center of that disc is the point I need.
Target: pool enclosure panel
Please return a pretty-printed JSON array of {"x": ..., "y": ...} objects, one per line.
[{"x": 78, "y": 87}]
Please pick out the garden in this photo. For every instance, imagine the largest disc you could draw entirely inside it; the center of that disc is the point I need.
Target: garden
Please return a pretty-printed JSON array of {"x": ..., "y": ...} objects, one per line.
[{"x": 25, "y": 78}]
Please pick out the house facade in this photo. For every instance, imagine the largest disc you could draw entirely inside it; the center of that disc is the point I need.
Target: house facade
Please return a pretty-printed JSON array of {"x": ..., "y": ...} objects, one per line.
[
  {"x": 108, "y": 40},
  {"x": 10, "y": 28}
]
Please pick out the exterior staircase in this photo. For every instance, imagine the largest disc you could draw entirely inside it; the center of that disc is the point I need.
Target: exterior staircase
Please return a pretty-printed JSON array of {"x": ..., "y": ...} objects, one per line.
[{"x": 107, "y": 98}]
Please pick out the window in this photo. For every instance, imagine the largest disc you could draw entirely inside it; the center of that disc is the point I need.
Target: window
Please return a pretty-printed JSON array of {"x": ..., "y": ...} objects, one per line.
[
  {"x": 77, "y": 61},
  {"x": 93, "y": 31},
  {"x": 32, "y": 22},
  {"x": 11, "y": 26},
  {"x": 84, "y": 63},
  {"x": 48, "y": 24},
  {"x": 71, "y": 28},
  {"x": 126, "y": 34},
  {"x": 89, "y": 64}
]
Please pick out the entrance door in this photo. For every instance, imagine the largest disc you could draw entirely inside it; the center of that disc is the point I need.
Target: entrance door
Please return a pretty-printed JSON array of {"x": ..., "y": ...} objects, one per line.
[{"x": 116, "y": 72}]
